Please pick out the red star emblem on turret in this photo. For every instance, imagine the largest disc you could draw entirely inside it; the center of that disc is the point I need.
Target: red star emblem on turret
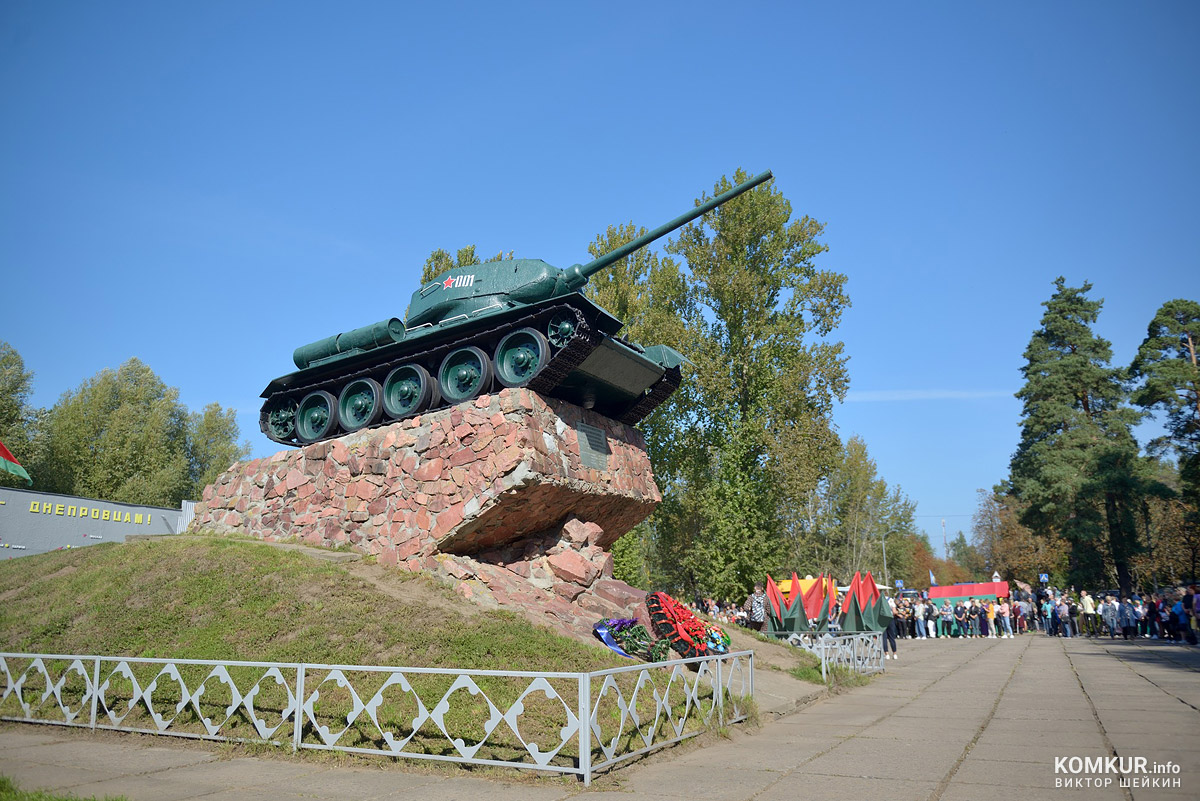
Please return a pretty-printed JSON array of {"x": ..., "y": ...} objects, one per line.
[{"x": 449, "y": 282}]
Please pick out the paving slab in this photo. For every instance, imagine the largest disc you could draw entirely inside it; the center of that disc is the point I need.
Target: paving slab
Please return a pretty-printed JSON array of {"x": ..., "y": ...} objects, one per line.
[
  {"x": 821, "y": 727},
  {"x": 1045, "y": 741},
  {"x": 1003, "y": 773},
  {"x": 781, "y": 752},
  {"x": 29, "y": 736},
  {"x": 1075, "y": 713},
  {"x": 933, "y": 710},
  {"x": 248, "y": 772},
  {"x": 55, "y": 777},
  {"x": 910, "y": 730},
  {"x": 883, "y": 759},
  {"x": 975, "y": 792},
  {"x": 350, "y": 784},
  {"x": 160, "y": 786},
  {"x": 729, "y": 783},
  {"x": 838, "y": 788},
  {"x": 1034, "y": 754},
  {"x": 777, "y": 693},
  {"x": 849, "y": 717},
  {"x": 1048, "y": 724},
  {"x": 456, "y": 788}
]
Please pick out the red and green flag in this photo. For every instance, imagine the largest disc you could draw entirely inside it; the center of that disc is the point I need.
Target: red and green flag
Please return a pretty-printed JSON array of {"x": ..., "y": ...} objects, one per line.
[{"x": 9, "y": 464}]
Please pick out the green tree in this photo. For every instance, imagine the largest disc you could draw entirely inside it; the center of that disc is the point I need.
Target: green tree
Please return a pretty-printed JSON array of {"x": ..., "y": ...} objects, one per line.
[
  {"x": 1167, "y": 367},
  {"x": 762, "y": 357},
  {"x": 17, "y": 418},
  {"x": 740, "y": 541},
  {"x": 124, "y": 436},
  {"x": 749, "y": 433},
  {"x": 440, "y": 261},
  {"x": 766, "y": 375},
  {"x": 1169, "y": 373},
  {"x": 633, "y": 557},
  {"x": 650, "y": 295},
  {"x": 212, "y": 445},
  {"x": 905, "y": 544},
  {"x": 1002, "y": 544},
  {"x": 969, "y": 556},
  {"x": 1076, "y": 466},
  {"x": 1170, "y": 535},
  {"x": 845, "y": 521}
]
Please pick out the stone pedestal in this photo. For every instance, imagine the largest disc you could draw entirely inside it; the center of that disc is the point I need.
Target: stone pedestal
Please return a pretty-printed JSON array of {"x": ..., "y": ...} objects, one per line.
[{"x": 494, "y": 495}]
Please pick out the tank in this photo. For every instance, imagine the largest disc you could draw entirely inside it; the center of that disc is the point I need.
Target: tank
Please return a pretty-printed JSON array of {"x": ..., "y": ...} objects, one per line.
[{"x": 474, "y": 330}]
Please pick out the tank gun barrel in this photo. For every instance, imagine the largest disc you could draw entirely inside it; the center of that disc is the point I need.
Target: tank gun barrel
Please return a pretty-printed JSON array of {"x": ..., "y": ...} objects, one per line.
[{"x": 578, "y": 275}]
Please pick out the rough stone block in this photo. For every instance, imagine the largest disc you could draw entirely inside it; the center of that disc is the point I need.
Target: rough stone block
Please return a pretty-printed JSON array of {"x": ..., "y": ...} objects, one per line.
[
  {"x": 571, "y": 566},
  {"x": 619, "y": 593},
  {"x": 496, "y": 481},
  {"x": 580, "y": 532}
]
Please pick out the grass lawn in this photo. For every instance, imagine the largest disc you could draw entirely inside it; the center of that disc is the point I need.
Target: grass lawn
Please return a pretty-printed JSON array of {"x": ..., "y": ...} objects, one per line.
[
  {"x": 217, "y": 599},
  {"x": 211, "y": 598}
]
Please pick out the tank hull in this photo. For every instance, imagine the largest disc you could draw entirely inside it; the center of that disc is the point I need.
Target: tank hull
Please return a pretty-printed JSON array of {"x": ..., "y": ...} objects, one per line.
[{"x": 591, "y": 367}]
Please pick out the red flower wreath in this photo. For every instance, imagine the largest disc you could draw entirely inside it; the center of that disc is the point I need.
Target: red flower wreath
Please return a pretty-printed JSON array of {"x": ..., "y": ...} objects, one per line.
[{"x": 675, "y": 623}]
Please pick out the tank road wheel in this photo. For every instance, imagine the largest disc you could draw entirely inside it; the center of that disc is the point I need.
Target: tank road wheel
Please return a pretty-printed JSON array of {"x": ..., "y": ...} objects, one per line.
[
  {"x": 280, "y": 422},
  {"x": 317, "y": 416},
  {"x": 561, "y": 329},
  {"x": 409, "y": 390},
  {"x": 361, "y": 404},
  {"x": 520, "y": 356},
  {"x": 464, "y": 373}
]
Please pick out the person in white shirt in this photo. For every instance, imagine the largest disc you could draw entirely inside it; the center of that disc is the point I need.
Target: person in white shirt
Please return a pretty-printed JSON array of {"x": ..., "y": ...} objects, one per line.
[{"x": 1087, "y": 605}]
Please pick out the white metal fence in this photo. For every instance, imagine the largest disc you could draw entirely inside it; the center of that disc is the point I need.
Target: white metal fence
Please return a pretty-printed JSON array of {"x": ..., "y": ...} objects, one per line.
[
  {"x": 858, "y": 652},
  {"x": 517, "y": 719}
]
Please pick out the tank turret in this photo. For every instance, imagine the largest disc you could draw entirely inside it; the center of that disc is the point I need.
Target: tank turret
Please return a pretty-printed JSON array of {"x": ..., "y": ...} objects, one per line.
[
  {"x": 510, "y": 323},
  {"x": 533, "y": 280}
]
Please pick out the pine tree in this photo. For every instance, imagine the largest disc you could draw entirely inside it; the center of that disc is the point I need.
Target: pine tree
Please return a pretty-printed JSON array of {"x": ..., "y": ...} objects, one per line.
[
  {"x": 1077, "y": 465},
  {"x": 1168, "y": 367}
]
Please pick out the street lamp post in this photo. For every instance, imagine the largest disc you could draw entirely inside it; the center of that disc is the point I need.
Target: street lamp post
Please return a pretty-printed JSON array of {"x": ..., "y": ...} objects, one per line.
[{"x": 883, "y": 541}]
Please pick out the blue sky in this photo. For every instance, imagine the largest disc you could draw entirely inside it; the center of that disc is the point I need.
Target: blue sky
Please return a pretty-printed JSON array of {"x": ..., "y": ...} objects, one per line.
[{"x": 207, "y": 186}]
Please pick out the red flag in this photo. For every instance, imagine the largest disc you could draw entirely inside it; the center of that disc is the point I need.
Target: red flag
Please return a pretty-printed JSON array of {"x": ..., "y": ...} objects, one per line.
[
  {"x": 814, "y": 598},
  {"x": 9, "y": 464},
  {"x": 774, "y": 596}
]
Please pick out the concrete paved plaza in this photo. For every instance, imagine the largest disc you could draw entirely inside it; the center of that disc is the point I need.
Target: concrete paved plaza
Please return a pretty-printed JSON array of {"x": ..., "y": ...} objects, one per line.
[{"x": 950, "y": 721}]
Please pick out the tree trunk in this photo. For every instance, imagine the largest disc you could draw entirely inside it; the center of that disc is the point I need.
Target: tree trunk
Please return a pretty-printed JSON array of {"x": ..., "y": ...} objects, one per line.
[{"x": 1118, "y": 543}]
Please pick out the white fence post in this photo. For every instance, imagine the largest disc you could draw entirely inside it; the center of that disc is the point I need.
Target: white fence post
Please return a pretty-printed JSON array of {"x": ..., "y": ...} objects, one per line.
[
  {"x": 585, "y": 727},
  {"x": 298, "y": 723},
  {"x": 720, "y": 693},
  {"x": 95, "y": 691}
]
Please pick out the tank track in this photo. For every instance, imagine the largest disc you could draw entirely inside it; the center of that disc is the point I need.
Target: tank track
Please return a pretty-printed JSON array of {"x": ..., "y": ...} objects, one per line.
[
  {"x": 556, "y": 370},
  {"x": 658, "y": 393},
  {"x": 568, "y": 358}
]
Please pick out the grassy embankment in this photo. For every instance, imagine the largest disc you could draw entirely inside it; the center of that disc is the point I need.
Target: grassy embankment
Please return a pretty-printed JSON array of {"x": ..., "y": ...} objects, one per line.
[{"x": 218, "y": 599}]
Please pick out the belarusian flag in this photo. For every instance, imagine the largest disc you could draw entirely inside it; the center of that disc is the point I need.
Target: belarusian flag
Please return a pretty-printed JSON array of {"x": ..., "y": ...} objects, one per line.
[{"x": 9, "y": 464}]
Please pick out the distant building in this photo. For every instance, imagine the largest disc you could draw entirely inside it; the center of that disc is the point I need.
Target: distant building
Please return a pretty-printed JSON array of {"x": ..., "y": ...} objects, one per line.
[{"x": 37, "y": 522}]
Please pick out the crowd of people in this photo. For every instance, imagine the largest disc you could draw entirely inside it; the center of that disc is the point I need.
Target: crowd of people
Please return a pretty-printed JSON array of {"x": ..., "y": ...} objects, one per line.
[
  {"x": 732, "y": 613},
  {"x": 1168, "y": 615}
]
